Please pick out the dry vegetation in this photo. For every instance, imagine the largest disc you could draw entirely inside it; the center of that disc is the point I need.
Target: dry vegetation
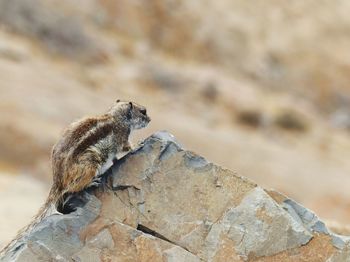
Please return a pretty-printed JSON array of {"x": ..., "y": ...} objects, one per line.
[{"x": 57, "y": 32}]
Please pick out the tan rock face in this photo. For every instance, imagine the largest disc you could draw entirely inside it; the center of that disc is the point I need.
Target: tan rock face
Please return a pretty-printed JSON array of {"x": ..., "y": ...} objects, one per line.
[{"x": 163, "y": 203}]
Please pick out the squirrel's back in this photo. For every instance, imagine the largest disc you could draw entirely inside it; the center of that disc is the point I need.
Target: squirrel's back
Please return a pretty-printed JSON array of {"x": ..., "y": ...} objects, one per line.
[{"x": 82, "y": 150}]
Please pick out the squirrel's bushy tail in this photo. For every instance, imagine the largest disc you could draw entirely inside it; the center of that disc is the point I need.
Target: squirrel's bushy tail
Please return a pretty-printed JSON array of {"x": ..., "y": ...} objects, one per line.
[{"x": 44, "y": 211}]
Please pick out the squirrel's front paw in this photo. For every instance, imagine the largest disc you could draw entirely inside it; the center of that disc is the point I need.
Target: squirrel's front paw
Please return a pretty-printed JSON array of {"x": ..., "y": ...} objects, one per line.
[
  {"x": 96, "y": 181},
  {"x": 127, "y": 148}
]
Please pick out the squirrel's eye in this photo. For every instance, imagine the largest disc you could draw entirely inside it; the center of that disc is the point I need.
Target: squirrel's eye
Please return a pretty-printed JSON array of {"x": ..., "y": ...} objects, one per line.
[
  {"x": 117, "y": 101},
  {"x": 143, "y": 111}
]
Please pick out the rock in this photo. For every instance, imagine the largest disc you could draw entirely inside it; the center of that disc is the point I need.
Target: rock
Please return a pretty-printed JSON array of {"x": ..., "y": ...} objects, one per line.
[{"x": 163, "y": 203}]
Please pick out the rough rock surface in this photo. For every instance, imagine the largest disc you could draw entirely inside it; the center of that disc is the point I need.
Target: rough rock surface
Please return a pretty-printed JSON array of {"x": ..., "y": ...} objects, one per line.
[{"x": 163, "y": 203}]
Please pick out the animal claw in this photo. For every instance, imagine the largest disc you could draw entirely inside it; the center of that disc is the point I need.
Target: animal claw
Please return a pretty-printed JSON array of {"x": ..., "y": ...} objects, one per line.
[{"x": 96, "y": 181}]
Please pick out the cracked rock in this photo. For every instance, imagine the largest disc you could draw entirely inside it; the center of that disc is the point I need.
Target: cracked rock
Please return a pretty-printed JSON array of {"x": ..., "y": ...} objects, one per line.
[{"x": 164, "y": 203}]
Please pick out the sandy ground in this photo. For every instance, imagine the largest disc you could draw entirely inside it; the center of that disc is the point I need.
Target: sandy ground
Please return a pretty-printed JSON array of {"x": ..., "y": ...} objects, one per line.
[{"x": 20, "y": 198}]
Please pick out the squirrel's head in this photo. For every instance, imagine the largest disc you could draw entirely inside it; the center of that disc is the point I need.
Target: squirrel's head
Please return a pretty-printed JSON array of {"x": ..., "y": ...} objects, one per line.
[{"x": 134, "y": 115}]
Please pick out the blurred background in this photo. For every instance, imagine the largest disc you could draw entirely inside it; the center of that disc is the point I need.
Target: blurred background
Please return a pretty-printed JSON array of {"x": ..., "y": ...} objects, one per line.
[{"x": 260, "y": 87}]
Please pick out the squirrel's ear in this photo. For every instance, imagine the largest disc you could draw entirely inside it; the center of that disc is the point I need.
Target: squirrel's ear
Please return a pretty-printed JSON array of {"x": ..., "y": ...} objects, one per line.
[
  {"x": 118, "y": 100},
  {"x": 129, "y": 114}
]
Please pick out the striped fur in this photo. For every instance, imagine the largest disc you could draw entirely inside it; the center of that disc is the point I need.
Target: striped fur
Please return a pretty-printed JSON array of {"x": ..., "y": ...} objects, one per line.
[
  {"x": 84, "y": 148},
  {"x": 87, "y": 144}
]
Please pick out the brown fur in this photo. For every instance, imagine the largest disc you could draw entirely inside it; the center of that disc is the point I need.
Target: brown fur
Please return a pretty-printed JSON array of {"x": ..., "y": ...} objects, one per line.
[{"x": 83, "y": 149}]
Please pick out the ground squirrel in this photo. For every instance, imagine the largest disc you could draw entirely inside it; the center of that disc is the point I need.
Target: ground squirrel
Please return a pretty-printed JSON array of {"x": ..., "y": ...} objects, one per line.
[{"x": 84, "y": 150}]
